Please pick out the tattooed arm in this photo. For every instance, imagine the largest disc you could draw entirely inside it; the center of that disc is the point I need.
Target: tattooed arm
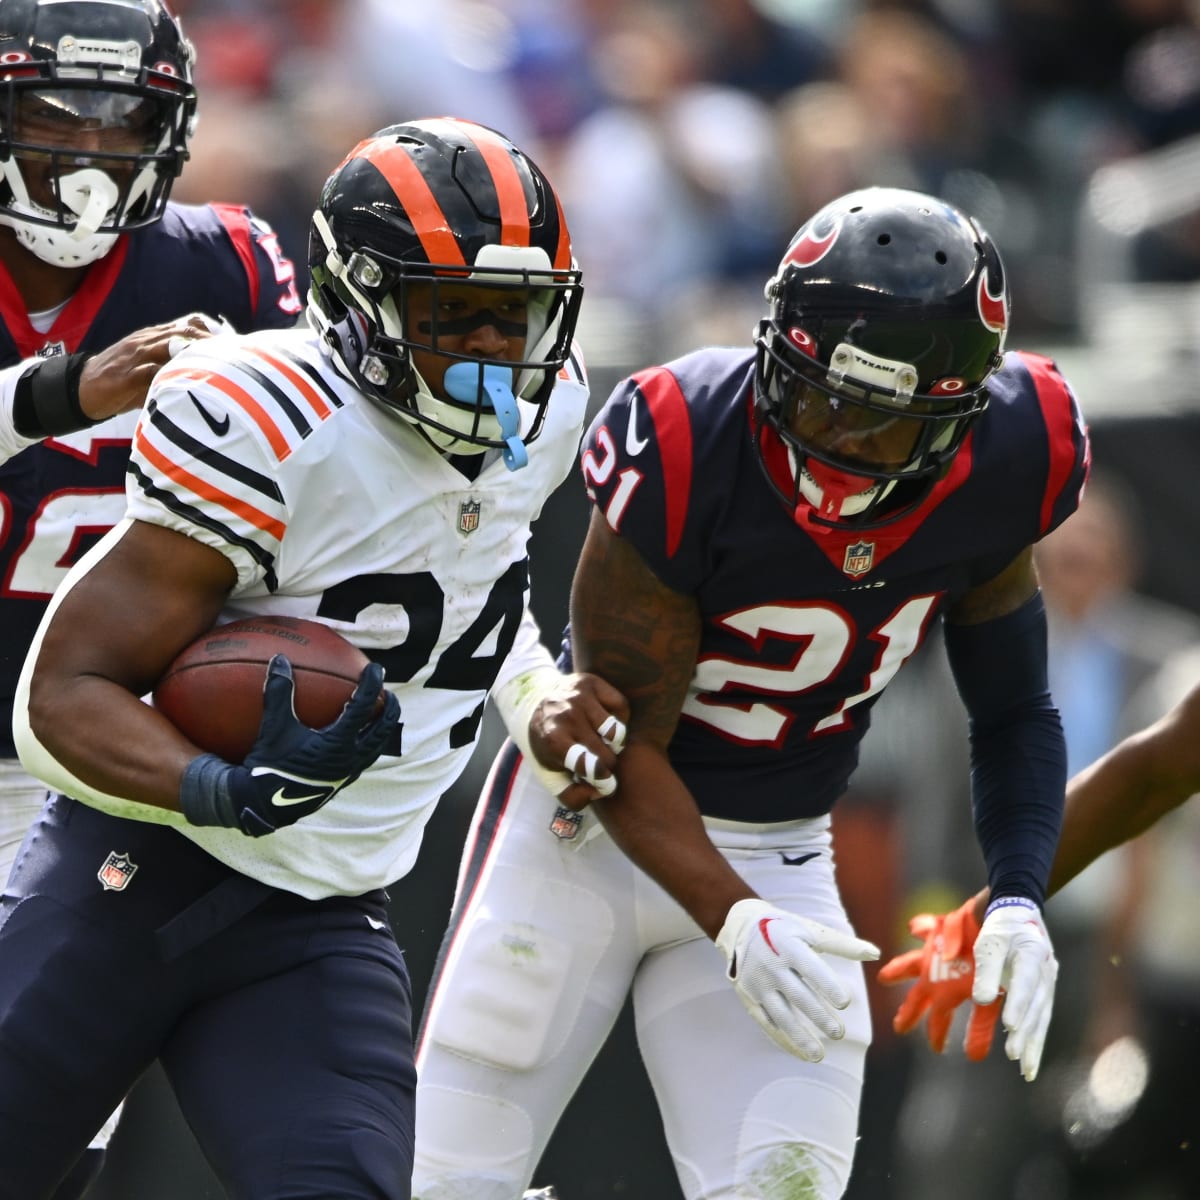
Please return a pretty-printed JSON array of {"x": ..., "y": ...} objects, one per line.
[{"x": 641, "y": 636}]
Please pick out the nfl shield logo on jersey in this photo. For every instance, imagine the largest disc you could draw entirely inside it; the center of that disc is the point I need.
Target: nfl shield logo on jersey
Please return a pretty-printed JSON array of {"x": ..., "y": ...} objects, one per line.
[
  {"x": 860, "y": 558},
  {"x": 468, "y": 516},
  {"x": 116, "y": 872},
  {"x": 566, "y": 823}
]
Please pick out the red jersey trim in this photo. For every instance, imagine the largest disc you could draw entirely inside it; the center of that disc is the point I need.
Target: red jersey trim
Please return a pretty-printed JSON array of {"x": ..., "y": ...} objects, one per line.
[
  {"x": 673, "y": 434},
  {"x": 237, "y": 225},
  {"x": 835, "y": 541},
  {"x": 76, "y": 318},
  {"x": 1062, "y": 422}
]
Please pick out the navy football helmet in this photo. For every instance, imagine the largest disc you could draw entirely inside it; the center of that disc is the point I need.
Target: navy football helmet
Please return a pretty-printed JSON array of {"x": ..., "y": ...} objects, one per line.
[
  {"x": 443, "y": 202},
  {"x": 888, "y": 314},
  {"x": 96, "y": 108}
]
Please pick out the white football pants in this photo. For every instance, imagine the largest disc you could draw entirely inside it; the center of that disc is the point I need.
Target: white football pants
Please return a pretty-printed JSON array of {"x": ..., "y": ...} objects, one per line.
[{"x": 549, "y": 936}]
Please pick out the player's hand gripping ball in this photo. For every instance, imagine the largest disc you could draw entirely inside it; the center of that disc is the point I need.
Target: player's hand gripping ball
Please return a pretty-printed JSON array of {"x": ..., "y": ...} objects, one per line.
[{"x": 213, "y": 691}]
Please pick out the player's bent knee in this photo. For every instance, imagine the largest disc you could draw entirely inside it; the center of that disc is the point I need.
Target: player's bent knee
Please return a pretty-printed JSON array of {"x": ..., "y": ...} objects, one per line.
[
  {"x": 508, "y": 982},
  {"x": 470, "y": 1147},
  {"x": 809, "y": 1157}
]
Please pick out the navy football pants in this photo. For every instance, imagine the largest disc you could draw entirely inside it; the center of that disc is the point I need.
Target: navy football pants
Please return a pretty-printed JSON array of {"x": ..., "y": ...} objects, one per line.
[{"x": 283, "y": 1025}]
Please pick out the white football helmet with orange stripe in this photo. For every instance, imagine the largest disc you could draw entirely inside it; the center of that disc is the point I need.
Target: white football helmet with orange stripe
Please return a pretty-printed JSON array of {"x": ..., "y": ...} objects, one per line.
[{"x": 436, "y": 202}]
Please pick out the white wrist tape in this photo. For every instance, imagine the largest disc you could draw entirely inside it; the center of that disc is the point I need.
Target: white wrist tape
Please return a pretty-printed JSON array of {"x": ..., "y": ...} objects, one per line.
[{"x": 516, "y": 701}]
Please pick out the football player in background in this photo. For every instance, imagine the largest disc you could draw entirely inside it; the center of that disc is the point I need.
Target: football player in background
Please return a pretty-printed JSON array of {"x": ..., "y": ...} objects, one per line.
[
  {"x": 1118, "y": 797},
  {"x": 96, "y": 109},
  {"x": 774, "y": 532},
  {"x": 377, "y": 470}
]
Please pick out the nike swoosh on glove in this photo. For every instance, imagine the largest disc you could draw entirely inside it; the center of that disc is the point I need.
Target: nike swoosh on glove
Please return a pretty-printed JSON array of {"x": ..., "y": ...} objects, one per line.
[
  {"x": 944, "y": 971},
  {"x": 775, "y": 963},
  {"x": 291, "y": 770},
  {"x": 1013, "y": 954}
]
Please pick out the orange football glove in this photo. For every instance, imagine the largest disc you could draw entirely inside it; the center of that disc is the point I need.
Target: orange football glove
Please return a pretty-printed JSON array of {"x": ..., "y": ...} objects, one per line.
[{"x": 944, "y": 969}]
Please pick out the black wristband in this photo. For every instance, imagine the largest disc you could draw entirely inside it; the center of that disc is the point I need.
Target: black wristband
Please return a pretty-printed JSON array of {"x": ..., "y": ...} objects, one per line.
[
  {"x": 46, "y": 398},
  {"x": 204, "y": 792}
]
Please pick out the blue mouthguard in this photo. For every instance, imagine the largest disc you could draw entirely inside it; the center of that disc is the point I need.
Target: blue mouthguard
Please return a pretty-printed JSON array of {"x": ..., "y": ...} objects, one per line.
[{"x": 463, "y": 382}]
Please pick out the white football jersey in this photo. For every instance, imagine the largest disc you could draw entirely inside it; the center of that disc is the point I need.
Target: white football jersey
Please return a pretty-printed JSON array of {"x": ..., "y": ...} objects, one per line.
[{"x": 333, "y": 509}]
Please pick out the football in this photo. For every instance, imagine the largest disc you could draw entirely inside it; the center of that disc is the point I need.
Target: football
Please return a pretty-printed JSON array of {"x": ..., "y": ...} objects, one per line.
[{"x": 212, "y": 692}]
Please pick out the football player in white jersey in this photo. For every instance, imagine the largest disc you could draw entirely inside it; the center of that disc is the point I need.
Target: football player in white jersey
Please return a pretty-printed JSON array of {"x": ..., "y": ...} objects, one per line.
[{"x": 378, "y": 471}]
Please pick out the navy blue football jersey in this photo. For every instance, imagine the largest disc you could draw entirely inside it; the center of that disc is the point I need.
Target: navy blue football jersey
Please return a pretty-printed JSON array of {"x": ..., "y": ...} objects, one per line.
[
  {"x": 61, "y": 496},
  {"x": 804, "y": 625}
]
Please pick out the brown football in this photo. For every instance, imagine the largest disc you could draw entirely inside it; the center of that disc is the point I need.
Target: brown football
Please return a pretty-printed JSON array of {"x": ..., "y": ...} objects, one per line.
[{"x": 212, "y": 692}]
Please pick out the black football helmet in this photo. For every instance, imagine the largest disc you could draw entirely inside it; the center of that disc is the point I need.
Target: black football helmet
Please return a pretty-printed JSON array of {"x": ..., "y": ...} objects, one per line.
[
  {"x": 96, "y": 108},
  {"x": 442, "y": 201},
  {"x": 888, "y": 314}
]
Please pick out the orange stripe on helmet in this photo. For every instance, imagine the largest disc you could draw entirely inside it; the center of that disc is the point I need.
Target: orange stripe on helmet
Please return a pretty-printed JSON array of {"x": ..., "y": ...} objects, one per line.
[
  {"x": 510, "y": 194},
  {"x": 562, "y": 252},
  {"x": 424, "y": 211}
]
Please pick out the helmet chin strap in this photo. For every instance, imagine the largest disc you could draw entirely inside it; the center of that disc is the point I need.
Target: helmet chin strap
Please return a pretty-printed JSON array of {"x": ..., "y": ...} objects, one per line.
[
  {"x": 835, "y": 493},
  {"x": 489, "y": 386},
  {"x": 89, "y": 193}
]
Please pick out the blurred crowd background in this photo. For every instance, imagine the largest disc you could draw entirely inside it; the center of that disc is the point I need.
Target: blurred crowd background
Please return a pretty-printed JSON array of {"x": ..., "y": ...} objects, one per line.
[{"x": 688, "y": 139}]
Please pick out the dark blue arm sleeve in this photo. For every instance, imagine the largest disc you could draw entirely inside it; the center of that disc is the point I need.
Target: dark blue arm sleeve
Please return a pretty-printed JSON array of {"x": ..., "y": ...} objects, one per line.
[{"x": 1018, "y": 754}]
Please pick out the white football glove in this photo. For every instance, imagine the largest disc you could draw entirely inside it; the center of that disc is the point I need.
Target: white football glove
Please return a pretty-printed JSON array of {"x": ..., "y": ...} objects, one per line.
[
  {"x": 1013, "y": 954},
  {"x": 775, "y": 963}
]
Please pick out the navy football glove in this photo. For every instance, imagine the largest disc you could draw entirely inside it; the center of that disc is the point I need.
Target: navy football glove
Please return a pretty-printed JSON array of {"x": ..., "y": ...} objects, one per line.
[{"x": 291, "y": 770}]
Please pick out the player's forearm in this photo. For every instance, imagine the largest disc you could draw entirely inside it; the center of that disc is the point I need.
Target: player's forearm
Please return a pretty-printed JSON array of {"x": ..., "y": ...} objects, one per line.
[
  {"x": 100, "y": 741},
  {"x": 654, "y": 820},
  {"x": 19, "y": 426},
  {"x": 1018, "y": 753},
  {"x": 1126, "y": 791}
]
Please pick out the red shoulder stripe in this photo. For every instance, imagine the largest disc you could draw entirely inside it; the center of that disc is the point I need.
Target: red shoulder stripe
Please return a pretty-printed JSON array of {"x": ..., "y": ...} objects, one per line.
[
  {"x": 1064, "y": 430},
  {"x": 237, "y": 225},
  {"x": 673, "y": 434}
]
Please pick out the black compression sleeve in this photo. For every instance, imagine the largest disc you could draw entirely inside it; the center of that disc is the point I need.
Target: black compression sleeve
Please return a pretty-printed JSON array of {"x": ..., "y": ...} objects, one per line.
[
  {"x": 46, "y": 398},
  {"x": 1018, "y": 754}
]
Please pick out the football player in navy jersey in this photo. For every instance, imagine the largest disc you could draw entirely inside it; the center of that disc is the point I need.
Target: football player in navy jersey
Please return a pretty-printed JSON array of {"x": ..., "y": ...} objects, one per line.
[
  {"x": 378, "y": 469},
  {"x": 775, "y": 531},
  {"x": 101, "y": 280}
]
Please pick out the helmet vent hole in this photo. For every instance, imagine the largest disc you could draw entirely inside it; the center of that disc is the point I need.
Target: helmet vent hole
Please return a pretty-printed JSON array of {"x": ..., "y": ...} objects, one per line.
[
  {"x": 940, "y": 257},
  {"x": 884, "y": 239}
]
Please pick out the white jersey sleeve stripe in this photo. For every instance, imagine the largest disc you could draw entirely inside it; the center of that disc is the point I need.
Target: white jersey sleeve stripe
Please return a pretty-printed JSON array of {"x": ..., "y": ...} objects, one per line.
[
  {"x": 198, "y": 517},
  {"x": 275, "y": 436},
  {"x": 200, "y": 452},
  {"x": 207, "y": 491},
  {"x": 310, "y": 387}
]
